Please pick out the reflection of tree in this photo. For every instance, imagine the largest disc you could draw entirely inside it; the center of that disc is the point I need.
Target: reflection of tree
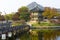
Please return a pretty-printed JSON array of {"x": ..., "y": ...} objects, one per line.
[{"x": 40, "y": 35}]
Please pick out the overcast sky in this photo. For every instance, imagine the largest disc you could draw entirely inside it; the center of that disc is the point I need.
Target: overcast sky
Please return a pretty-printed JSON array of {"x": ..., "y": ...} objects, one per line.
[{"x": 12, "y": 5}]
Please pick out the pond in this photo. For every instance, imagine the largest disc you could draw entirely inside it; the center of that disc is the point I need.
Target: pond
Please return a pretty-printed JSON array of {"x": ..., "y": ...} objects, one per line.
[
  {"x": 37, "y": 35},
  {"x": 54, "y": 35},
  {"x": 58, "y": 38}
]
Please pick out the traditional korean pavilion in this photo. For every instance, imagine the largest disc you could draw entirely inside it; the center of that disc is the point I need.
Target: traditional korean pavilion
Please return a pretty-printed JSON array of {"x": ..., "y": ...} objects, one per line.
[{"x": 36, "y": 11}]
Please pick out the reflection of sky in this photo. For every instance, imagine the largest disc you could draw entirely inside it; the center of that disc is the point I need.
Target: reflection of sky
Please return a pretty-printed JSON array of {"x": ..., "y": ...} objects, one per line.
[
  {"x": 13, "y": 5},
  {"x": 4, "y": 35},
  {"x": 58, "y": 38}
]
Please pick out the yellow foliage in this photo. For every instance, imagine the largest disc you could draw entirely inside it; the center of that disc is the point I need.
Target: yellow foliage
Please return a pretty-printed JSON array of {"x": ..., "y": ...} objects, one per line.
[{"x": 50, "y": 12}]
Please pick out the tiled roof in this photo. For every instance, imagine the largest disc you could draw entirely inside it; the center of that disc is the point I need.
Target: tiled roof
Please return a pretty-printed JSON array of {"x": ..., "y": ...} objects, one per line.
[{"x": 35, "y": 5}]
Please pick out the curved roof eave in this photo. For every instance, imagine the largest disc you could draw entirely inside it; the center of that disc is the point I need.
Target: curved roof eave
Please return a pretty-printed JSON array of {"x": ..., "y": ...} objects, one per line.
[{"x": 35, "y": 5}]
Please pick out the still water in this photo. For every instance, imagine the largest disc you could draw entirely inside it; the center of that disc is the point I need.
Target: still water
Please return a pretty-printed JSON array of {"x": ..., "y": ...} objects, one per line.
[
  {"x": 58, "y": 38},
  {"x": 55, "y": 35}
]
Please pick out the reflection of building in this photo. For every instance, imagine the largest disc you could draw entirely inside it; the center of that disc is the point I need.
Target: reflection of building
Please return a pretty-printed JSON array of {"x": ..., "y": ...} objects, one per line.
[{"x": 36, "y": 11}]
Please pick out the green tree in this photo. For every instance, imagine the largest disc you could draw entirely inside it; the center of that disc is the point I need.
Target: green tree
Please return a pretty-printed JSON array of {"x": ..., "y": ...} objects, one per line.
[
  {"x": 9, "y": 16},
  {"x": 23, "y": 9},
  {"x": 24, "y": 13}
]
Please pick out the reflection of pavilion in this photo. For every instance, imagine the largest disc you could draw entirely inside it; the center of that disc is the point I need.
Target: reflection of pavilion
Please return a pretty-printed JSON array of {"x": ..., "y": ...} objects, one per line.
[{"x": 36, "y": 11}]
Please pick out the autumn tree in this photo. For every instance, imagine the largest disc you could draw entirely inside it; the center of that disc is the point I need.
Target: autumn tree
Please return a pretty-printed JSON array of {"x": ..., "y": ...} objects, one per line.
[
  {"x": 16, "y": 16},
  {"x": 2, "y": 18},
  {"x": 50, "y": 12}
]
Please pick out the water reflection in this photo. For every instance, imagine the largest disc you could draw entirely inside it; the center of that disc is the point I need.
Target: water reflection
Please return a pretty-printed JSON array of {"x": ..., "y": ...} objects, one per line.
[
  {"x": 58, "y": 38},
  {"x": 53, "y": 35},
  {"x": 17, "y": 38}
]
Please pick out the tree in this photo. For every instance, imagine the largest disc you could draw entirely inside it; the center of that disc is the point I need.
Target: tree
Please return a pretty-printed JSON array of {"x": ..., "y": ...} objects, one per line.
[
  {"x": 50, "y": 12},
  {"x": 2, "y": 18},
  {"x": 9, "y": 16},
  {"x": 24, "y": 13},
  {"x": 16, "y": 16},
  {"x": 23, "y": 9}
]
